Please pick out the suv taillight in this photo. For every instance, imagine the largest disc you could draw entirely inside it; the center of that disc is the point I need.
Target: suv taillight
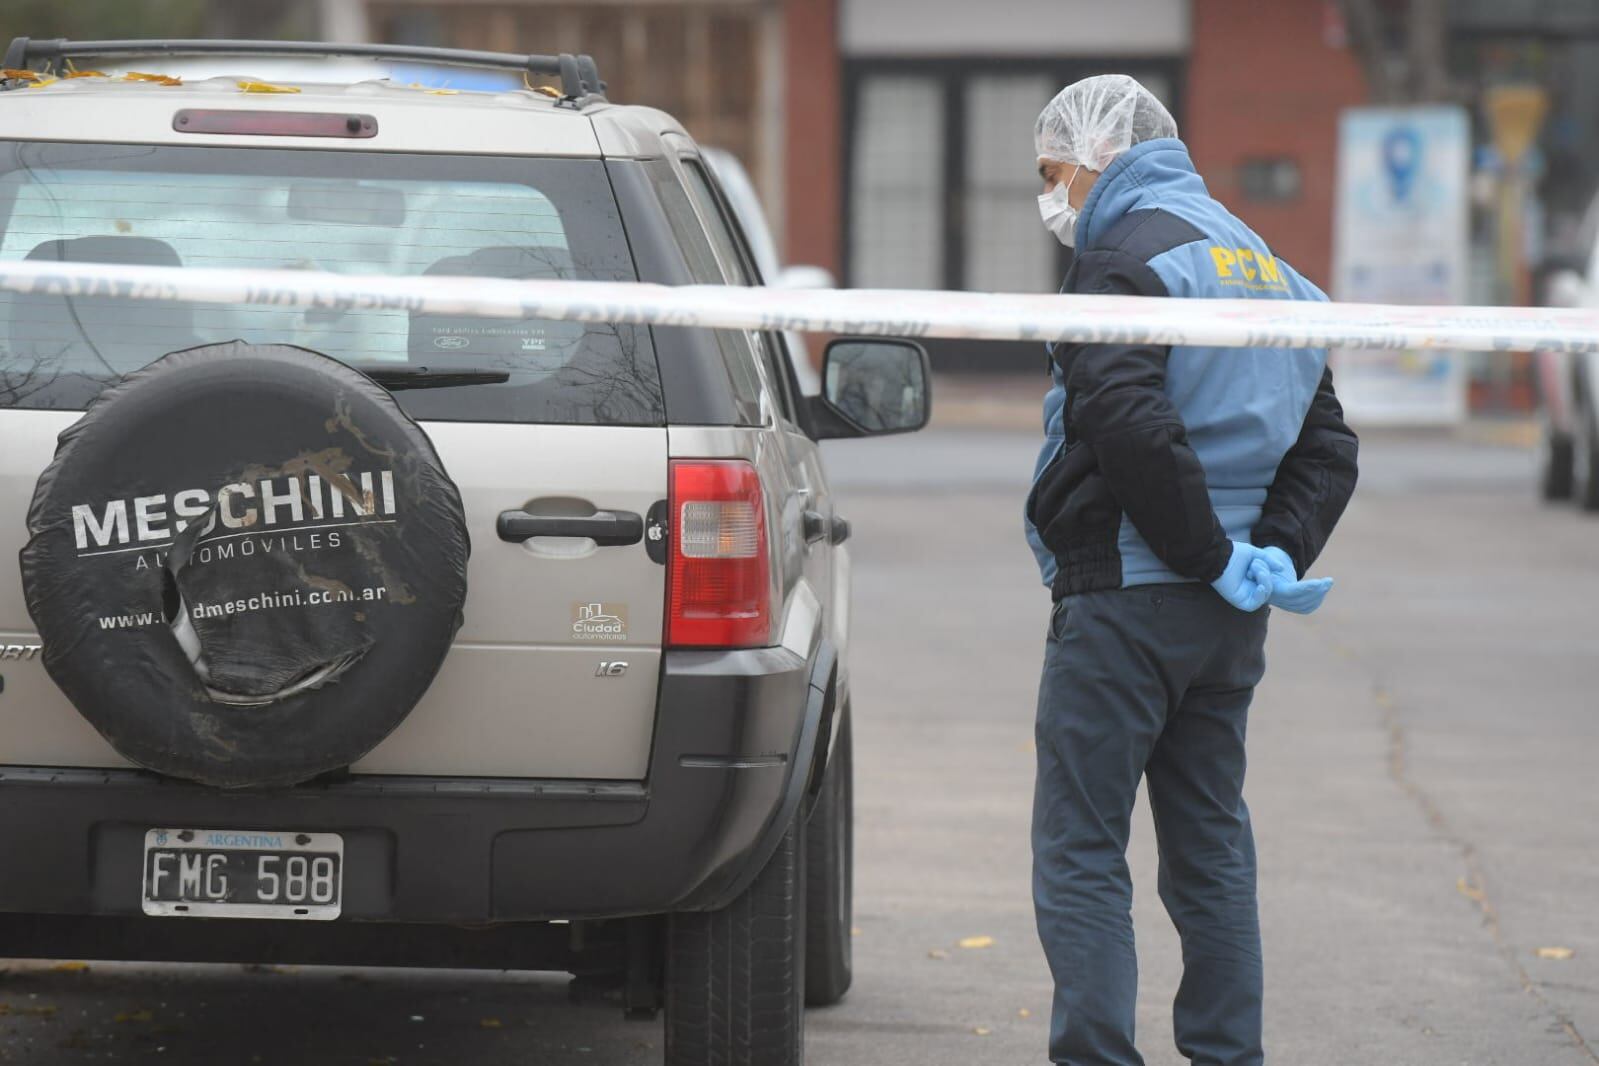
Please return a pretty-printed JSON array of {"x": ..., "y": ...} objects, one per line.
[{"x": 719, "y": 581}]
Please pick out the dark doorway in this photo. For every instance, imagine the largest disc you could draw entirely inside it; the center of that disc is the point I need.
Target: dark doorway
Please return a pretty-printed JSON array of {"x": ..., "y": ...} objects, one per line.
[{"x": 941, "y": 184}]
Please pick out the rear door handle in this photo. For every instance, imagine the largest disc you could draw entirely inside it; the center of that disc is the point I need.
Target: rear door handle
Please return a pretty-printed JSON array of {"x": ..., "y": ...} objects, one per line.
[{"x": 611, "y": 529}]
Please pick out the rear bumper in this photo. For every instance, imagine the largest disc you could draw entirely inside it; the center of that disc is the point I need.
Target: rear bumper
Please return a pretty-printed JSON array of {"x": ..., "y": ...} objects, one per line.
[{"x": 735, "y": 735}]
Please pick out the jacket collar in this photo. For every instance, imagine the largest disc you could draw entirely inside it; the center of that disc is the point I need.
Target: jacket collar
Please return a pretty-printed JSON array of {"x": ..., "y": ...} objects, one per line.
[{"x": 1142, "y": 176}]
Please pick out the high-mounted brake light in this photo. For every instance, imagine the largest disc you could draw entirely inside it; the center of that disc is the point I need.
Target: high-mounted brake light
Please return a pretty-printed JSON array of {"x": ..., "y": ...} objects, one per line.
[
  {"x": 719, "y": 578},
  {"x": 275, "y": 123}
]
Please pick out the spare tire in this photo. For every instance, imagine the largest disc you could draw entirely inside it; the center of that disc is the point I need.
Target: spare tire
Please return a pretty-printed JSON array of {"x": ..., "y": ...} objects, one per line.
[{"x": 246, "y": 564}]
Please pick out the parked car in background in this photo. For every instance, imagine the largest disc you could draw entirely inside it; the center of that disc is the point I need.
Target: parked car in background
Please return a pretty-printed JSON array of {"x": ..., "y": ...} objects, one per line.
[
  {"x": 746, "y": 204},
  {"x": 1569, "y": 387}
]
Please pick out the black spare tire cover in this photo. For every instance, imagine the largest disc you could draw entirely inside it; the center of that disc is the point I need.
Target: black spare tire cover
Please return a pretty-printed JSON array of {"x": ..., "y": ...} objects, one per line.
[{"x": 246, "y": 564}]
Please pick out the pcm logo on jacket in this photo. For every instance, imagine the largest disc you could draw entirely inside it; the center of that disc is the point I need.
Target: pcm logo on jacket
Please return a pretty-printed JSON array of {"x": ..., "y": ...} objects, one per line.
[
  {"x": 1248, "y": 267},
  {"x": 241, "y": 505}
]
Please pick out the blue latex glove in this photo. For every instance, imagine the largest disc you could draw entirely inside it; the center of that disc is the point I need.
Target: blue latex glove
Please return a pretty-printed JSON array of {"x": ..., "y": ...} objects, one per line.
[
  {"x": 1290, "y": 593},
  {"x": 1247, "y": 582}
]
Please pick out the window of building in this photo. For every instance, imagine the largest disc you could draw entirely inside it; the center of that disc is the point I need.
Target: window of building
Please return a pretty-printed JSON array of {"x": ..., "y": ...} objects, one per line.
[{"x": 1274, "y": 179}]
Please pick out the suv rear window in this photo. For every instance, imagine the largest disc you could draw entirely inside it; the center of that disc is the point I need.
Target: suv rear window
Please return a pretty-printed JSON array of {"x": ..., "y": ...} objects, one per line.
[{"x": 341, "y": 211}]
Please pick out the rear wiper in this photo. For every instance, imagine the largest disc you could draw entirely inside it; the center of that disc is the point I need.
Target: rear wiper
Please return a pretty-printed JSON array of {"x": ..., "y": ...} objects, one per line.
[{"x": 395, "y": 378}]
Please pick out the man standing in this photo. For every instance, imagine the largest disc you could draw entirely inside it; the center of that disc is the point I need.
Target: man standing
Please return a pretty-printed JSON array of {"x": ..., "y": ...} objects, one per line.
[{"x": 1180, "y": 490}]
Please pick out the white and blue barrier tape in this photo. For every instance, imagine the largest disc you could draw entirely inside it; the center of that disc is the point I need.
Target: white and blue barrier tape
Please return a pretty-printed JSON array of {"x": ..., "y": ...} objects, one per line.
[{"x": 880, "y": 312}]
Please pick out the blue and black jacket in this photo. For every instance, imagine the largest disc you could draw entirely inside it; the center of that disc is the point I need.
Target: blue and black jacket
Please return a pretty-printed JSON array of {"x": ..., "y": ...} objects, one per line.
[{"x": 1157, "y": 457}]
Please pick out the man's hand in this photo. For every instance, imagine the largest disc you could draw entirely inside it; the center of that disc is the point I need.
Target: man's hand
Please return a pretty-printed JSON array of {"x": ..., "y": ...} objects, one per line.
[
  {"x": 1288, "y": 592},
  {"x": 1247, "y": 583}
]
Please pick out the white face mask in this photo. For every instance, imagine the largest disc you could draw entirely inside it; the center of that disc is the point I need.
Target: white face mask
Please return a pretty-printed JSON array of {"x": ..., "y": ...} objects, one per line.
[{"x": 1059, "y": 216}]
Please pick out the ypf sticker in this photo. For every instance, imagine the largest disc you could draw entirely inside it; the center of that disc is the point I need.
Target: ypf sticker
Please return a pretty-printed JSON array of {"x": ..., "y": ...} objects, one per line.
[{"x": 599, "y": 621}]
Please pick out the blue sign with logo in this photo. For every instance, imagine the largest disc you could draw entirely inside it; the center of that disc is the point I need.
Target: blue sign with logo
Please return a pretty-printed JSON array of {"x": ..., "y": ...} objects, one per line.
[{"x": 1401, "y": 234}]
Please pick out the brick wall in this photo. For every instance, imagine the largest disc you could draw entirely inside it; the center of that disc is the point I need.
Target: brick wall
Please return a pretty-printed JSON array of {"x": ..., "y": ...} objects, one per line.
[
  {"x": 698, "y": 60},
  {"x": 1268, "y": 80},
  {"x": 813, "y": 157}
]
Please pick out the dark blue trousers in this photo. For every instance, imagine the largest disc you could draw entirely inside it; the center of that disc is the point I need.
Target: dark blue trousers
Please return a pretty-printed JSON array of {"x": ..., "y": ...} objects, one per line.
[{"x": 1149, "y": 682}]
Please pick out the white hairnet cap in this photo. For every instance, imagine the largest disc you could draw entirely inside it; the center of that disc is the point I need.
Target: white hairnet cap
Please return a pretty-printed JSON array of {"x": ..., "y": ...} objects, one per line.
[{"x": 1091, "y": 122}]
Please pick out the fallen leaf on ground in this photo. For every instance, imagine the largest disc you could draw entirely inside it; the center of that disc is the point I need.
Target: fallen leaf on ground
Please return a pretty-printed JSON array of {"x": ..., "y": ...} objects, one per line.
[
  {"x": 972, "y": 942},
  {"x": 1024, "y": 1013},
  {"x": 70, "y": 967},
  {"x": 1469, "y": 890},
  {"x": 854, "y": 930},
  {"x": 489, "y": 1023},
  {"x": 938, "y": 953},
  {"x": 981, "y": 1030},
  {"x": 1554, "y": 953},
  {"x": 133, "y": 1016}
]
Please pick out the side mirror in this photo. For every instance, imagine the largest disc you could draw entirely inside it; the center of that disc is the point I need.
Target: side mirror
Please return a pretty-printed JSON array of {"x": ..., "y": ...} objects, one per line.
[{"x": 871, "y": 388}]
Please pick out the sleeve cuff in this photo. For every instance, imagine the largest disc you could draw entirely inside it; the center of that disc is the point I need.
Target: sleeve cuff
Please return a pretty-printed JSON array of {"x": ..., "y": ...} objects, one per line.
[{"x": 1216, "y": 565}]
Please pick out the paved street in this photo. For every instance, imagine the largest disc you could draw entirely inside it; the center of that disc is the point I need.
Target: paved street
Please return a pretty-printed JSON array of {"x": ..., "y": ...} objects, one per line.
[{"x": 1421, "y": 777}]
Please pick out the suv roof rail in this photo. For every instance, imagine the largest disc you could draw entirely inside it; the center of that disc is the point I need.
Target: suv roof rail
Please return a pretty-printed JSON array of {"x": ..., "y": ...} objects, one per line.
[{"x": 580, "y": 76}]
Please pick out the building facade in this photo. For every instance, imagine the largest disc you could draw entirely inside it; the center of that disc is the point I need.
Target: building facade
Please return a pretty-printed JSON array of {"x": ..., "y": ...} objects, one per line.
[
  {"x": 717, "y": 66},
  {"x": 934, "y": 112},
  {"x": 891, "y": 140}
]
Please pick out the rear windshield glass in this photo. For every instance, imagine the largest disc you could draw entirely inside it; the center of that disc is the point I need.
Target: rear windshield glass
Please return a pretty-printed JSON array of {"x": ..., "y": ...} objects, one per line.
[{"x": 340, "y": 211}]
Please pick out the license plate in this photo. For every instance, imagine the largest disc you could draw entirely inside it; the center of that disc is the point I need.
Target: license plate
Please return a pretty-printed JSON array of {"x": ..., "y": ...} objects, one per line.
[{"x": 237, "y": 873}]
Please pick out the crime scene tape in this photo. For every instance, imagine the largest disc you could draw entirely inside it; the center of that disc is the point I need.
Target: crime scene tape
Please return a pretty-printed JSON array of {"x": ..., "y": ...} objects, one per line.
[{"x": 874, "y": 312}]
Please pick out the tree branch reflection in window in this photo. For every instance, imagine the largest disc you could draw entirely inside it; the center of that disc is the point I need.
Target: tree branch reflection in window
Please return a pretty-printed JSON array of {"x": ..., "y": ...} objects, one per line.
[{"x": 879, "y": 385}]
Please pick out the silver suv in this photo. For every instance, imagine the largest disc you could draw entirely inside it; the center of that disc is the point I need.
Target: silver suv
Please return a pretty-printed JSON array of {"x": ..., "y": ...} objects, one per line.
[{"x": 365, "y": 635}]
